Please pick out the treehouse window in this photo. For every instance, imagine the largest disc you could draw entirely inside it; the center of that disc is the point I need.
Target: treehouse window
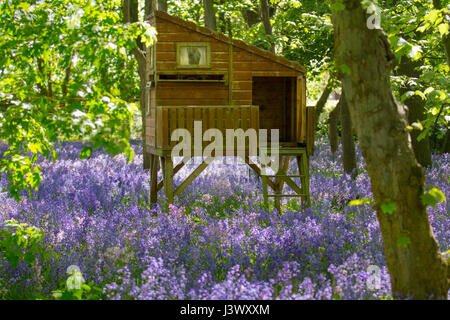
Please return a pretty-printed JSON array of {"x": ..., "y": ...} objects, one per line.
[{"x": 193, "y": 55}]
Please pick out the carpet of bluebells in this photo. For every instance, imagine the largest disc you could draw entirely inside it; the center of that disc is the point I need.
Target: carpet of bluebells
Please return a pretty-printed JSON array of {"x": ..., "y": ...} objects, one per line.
[{"x": 216, "y": 242}]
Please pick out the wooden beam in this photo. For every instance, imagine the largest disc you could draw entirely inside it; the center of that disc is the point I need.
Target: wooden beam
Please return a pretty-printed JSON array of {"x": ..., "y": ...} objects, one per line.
[
  {"x": 153, "y": 178},
  {"x": 192, "y": 176},
  {"x": 177, "y": 168},
  {"x": 258, "y": 172},
  {"x": 168, "y": 178},
  {"x": 292, "y": 184},
  {"x": 230, "y": 74}
]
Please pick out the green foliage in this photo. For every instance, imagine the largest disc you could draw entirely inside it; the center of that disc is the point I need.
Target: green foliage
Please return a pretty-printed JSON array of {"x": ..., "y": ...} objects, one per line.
[
  {"x": 75, "y": 288},
  {"x": 388, "y": 207},
  {"x": 358, "y": 202},
  {"x": 415, "y": 30},
  {"x": 19, "y": 242},
  {"x": 403, "y": 241},
  {"x": 65, "y": 73}
]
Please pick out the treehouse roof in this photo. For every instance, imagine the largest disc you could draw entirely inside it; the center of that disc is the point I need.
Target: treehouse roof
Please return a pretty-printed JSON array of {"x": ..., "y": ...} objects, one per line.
[{"x": 236, "y": 43}]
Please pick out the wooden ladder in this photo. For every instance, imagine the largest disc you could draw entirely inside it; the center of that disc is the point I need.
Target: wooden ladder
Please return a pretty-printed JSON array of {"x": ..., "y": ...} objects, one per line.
[{"x": 281, "y": 177}]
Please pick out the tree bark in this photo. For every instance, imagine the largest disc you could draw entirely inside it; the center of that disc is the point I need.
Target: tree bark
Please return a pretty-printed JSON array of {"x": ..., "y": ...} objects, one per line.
[
  {"x": 446, "y": 144},
  {"x": 250, "y": 17},
  {"x": 162, "y": 5},
  {"x": 130, "y": 14},
  {"x": 413, "y": 257},
  {"x": 320, "y": 105},
  {"x": 348, "y": 144},
  {"x": 210, "y": 14},
  {"x": 265, "y": 17},
  {"x": 333, "y": 128}
]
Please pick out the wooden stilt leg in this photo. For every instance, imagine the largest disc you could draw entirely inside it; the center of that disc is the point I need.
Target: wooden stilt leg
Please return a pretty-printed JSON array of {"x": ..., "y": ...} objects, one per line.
[
  {"x": 306, "y": 171},
  {"x": 279, "y": 183},
  {"x": 303, "y": 168},
  {"x": 167, "y": 165},
  {"x": 153, "y": 179},
  {"x": 147, "y": 160},
  {"x": 265, "y": 191}
]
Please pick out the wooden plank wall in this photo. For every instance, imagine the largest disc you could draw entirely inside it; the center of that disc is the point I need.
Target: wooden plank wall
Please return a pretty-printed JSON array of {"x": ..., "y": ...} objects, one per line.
[
  {"x": 269, "y": 94},
  {"x": 221, "y": 117}
]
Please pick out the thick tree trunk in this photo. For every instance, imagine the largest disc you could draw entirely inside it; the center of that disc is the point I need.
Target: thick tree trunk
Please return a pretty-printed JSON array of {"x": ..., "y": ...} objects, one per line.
[
  {"x": 210, "y": 14},
  {"x": 413, "y": 257},
  {"x": 265, "y": 17},
  {"x": 333, "y": 134},
  {"x": 416, "y": 110},
  {"x": 348, "y": 144},
  {"x": 320, "y": 105}
]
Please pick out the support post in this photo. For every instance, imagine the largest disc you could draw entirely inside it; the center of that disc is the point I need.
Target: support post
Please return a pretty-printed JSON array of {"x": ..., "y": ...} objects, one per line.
[
  {"x": 154, "y": 159},
  {"x": 167, "y": 165},
  {"x": 303, "y": 168}
]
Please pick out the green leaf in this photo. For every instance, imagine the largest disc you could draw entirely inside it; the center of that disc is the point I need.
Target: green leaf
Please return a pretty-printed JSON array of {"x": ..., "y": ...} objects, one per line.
[
  {"x": 346, "y": 69},
  {"x": 337, "y": 6},
  {"x": 403, "y": 241},
  {"x": 420, "y": 94},
  {"x": 388, "y": 207},
  {"x": 443, "y": 29},
  {"x": 86, "y": 153},
  {"x": 433, "y": 197},
  {"x": 417, "y": 125},
  {"x": 358, "y": 202}
]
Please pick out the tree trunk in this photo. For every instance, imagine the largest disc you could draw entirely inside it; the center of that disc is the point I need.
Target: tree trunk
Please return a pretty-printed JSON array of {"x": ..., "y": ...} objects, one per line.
[
  {"x": 413, "y": 257},
  {"x": 446, "y": 144},
  {"x": 333, "y": 128},
  {"x": 210, "y": 14},
  {"x": 130, "y": 14},
  {"x": 265, "y": 17},
  {"x": 320, "y": 105},
  {"x": 162, "y": 5},
  {"x": 348, "y": 145},
  {"x": 416, "y": 110},
  {"x": 250, "y": 17}
]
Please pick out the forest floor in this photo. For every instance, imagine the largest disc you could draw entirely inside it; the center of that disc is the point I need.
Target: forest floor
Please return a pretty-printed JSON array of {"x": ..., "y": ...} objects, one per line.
[{"x": 216, "y": 242}]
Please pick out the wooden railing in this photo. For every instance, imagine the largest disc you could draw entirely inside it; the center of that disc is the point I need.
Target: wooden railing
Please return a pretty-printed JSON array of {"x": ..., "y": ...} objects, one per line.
[{"x": 169, "y": 118}]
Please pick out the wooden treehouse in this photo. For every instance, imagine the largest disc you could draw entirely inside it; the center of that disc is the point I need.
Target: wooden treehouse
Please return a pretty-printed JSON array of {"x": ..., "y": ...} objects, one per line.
[{"x": 196, "y": 74}]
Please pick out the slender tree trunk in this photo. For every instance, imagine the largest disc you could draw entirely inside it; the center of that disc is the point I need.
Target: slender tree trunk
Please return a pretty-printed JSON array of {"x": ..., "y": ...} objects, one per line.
[
  {"x": 333, "y": 134},
  {"x": 446, "y": 145},
  {"x": 210, "y": 14},
  {"x": 348, "y": 144},
  {"x": 416, "y": 110},
  {"x": 320, "y": 105},
  {"x": 413, "y": 257},
  {"x": 250, "y": 17},
  {"x": 162, "y": 5},
  {"x": 265, "y": 17},
  {"x": 130, "y": 14}
]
